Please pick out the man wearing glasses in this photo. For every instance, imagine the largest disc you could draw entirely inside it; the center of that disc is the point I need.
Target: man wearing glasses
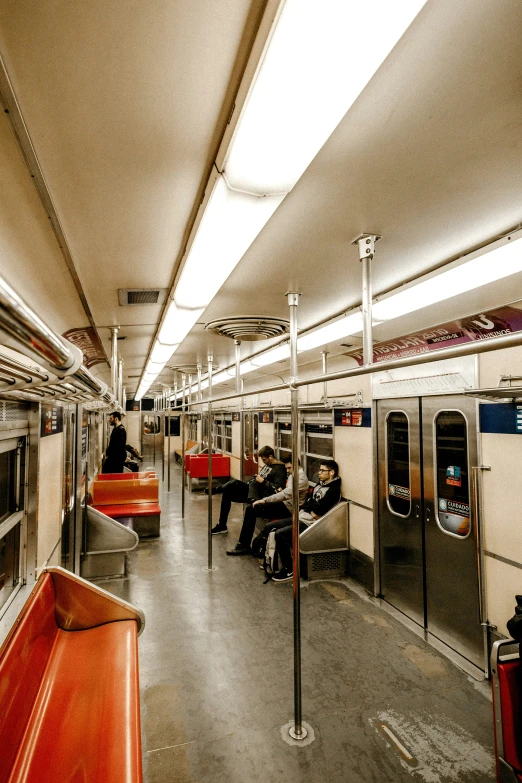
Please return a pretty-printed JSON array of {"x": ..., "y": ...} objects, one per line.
[{"x": 325, "y": 496}]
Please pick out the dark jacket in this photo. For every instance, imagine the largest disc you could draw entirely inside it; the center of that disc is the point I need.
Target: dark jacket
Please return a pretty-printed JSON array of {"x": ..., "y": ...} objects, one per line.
[
  {"x": 116, "y": 451},
  {"x": 274, "y": 476},
  {"x": 324, "y": 497}
]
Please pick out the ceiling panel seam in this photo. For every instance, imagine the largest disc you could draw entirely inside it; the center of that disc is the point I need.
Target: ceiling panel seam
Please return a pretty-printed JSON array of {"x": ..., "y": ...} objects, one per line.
[{"x": 25, "y": 145}]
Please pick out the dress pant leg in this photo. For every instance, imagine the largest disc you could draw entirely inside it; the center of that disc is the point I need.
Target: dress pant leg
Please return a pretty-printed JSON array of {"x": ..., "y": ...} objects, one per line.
[
  {"x": 249, "y": 524},
  {"x": 233, "y": 492}
]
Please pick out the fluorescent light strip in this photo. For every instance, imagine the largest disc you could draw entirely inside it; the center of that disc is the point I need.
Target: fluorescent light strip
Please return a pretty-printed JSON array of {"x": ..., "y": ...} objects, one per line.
[
  {"x": 320, "y": 58},
  {"x": 307, "y": 81},
  {"x": 499, "y": 260},
  {"x": 502, "y": 260}
]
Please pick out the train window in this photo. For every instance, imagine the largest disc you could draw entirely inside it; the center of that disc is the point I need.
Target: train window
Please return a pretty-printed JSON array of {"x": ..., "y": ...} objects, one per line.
[
  {"x": 9, "y": 562},
  {"x": 398, "y": 463},
  {"x": 451, "y": 470},
  {"x": 227, "y": 436},
  {"x": 284, "y": 438},
  {"x": 7, "y": 484},
  {"x": 11, "y": 516},
  {"x": 318, "y": 447}
]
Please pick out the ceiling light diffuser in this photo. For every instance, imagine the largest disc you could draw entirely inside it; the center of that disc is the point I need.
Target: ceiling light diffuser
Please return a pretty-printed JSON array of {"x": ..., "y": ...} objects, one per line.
[
  {"x": 495, "y": 262},
  {"x": 320, "y": 57}
]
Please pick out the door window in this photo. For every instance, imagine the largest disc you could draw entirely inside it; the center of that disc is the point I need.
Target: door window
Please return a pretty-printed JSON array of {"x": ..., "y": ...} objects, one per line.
[
  {"x": 451, "y": 470},
  {"x": 398, "y": 463}
]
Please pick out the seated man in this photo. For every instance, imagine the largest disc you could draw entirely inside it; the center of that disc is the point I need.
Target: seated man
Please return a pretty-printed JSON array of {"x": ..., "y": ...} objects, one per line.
[
  {"x": 271, "y": 478},
  {"x": 272, "y": 507},
  {"x": 325, "y": 496}
]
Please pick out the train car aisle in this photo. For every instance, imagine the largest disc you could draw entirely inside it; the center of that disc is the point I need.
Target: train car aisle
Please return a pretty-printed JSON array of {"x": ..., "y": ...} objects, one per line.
[{"x": 216, "y": 671}]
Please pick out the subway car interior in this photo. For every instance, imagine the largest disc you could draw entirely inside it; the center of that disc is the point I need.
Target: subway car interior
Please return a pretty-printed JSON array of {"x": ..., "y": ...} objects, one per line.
[{"x": 260, "y": 391}]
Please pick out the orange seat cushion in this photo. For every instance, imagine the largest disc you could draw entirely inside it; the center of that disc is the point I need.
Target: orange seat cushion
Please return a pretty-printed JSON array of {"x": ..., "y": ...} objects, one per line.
[
  {"x": 129, "y": 490},
  {"x": 85, "y": 722}
]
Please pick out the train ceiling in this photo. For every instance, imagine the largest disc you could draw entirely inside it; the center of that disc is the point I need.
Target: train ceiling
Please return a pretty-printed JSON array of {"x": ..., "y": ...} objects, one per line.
[{"x": 125, "y": 105}]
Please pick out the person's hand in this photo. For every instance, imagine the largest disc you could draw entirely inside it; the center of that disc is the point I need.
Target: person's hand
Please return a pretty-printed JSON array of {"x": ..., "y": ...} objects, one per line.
[
  {"x": 259, "y": 479},
  {"x": 258, "y": 502},
  {"x": 314, "y": 516}
]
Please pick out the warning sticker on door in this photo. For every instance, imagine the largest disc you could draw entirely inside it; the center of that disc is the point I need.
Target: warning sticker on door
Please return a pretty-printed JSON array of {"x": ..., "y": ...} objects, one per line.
[
  {"x": 398, "y": 492},
  {"x": 453, "y": 477},
  {"x": 453, "y": 507}
]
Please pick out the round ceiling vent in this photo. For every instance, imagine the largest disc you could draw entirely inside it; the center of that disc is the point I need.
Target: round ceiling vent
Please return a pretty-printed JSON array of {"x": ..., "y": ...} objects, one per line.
[{"x": 249, "y": 327}]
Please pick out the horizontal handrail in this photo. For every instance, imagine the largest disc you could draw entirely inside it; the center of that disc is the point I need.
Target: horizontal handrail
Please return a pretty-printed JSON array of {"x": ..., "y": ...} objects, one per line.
[{"x": 468, "y": 349}]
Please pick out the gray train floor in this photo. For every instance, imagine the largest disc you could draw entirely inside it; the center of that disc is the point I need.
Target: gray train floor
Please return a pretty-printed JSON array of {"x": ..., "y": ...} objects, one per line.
[{"x": 216, "y": 673}]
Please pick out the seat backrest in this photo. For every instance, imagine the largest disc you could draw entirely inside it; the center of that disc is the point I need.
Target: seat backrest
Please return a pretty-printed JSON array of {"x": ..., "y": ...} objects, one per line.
[
  {"x": 506, "y": 683},
  {"x": 130, "y": 490},
  {"x": 23, "y": 659}
]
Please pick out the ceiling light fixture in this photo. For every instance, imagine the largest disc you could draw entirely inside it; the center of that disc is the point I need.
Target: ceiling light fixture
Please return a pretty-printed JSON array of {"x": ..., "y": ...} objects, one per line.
[{"x": 308, "y": 77}]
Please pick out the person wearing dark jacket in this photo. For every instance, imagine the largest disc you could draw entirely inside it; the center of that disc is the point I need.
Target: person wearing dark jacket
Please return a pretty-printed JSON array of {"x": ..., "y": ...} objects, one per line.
[
  {"x": 272, "y": 507},
  {"x": 270, "y": 479},
  {"x": 117, "y": 449},
  {"x": 325, "y": 496}
]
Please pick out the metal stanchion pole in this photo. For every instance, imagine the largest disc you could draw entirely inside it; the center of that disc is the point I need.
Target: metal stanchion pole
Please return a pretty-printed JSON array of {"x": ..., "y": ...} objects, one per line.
[
  {"x": 199, "y": 382},
  {"x": 366, "y": 245},
  {"x": 209, "y": 565},
  {"x": 155, "y": 417},
  {"x": 168, "y": 440},
  {"x": 114, "y": 359},
  {"x": 297, "y": 731},
  {"x": 163, "y": 433},
  {"x": 237, "y": 343},
  {"x": 183, "y": 379},
  {"x": 324, "y": 354}
]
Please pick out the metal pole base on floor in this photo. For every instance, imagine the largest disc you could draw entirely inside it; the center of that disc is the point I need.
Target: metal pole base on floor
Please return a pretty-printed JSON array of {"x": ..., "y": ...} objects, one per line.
[{"x": 306, "y": 737}]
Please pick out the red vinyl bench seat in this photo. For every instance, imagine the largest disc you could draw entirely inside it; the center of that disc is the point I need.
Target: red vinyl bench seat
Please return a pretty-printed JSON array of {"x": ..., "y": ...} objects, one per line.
[
  {"x": 197, "y": 468},
  {"x": 506, "y": 682},
  {"x": 70, "y": 689},
  {"x": 132, "y": 501}
]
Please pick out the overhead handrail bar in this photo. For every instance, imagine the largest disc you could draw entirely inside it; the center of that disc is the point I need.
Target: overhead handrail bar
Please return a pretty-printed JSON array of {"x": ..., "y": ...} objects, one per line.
[
  {"x": 468, "y": 349},
  {"x": 26, "y": 328},
  {"x": 6, "y": 363},
  {"x": 27, "y": 332}
]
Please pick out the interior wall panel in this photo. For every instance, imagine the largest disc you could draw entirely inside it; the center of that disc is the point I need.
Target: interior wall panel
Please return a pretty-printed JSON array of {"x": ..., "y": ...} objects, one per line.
[{"x": 49, "y": 523}]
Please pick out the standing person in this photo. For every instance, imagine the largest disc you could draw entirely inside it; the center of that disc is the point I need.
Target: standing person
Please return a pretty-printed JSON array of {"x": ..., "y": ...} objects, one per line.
[
  {"x": 325, "y": 496},
  {"x": 116, "y": 450},
  {"x": 270, "y": 479},
  {"x": 276, "y": 506}
]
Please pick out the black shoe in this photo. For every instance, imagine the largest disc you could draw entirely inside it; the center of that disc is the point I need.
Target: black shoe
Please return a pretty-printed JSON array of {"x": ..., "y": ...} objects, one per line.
[
  {"x": 283, "y": 576},
  {"x": 239, "y": 549},
  {"x": 214, "y": 490},
  {"x": 219, "y": 529}
]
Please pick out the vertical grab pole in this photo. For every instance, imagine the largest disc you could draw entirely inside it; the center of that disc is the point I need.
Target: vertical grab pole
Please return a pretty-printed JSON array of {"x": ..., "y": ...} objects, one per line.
[
  {"x": 210, "y": 359},
  {"x": 183, "y": 446},
  {"x": 169, "y": 392},
  {"x": 120, "y": 382},
  {"x": 114, "y": 359},
  {"x": 239, "y": 384},
  {"x": 163, "y": 432},
  {"x": 297, "y": 731},
  {"x": 366, "y": 245},
  {"x": 199, "y": 382},
  {"x": 476, "y": 488},
  {"x": 324, "y": 354}
]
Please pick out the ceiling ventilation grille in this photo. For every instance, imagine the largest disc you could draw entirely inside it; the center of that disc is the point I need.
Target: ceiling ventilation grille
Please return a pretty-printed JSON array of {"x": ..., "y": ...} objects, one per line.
[
  {"x": 249, "y": 327},
  {"x": 141, "y": 296}
]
